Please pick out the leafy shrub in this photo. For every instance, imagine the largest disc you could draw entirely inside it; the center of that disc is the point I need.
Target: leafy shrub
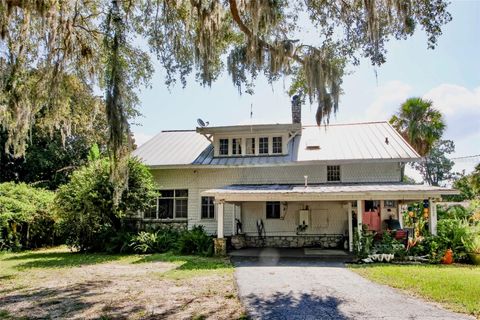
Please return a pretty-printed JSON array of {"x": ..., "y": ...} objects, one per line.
[
  {"x": 471, "y": 241},
  {"x": 363, "y": 246},
  {"x": 195, "y": 241},
  {"x": 453, "y": 212},
  {"x": 26, "y": 218},
  {"x": 91, "y": 216},
  {"x": 118, "y": 242},
  {"x": 389, "y": 245},
  {"x": 164, "y": 239},
  {"x": 450, "y": 233},
  {"x": 145, "y": 242}
]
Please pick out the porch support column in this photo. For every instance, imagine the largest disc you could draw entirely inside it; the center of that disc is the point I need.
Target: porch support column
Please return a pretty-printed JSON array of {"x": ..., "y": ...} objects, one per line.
[
  {"x": 399, "y": 214},
  {"x": 432, "y": 217},
  {"x": 220, "y": 244},
  {"x": 350, "y": 227},
  {"x": 359, "y": 219}
]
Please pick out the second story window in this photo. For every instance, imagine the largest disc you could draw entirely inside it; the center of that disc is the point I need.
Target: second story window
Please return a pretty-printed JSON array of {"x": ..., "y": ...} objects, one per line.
[
  {"x": 277, "y": 145},
  {"x": 250, "y": 146},
  {"x": 223, "y": 147},
  {"x": 333, "y": 173},
  {"x": 263, "y": 145},
  {"x": 236, "y": 146}
]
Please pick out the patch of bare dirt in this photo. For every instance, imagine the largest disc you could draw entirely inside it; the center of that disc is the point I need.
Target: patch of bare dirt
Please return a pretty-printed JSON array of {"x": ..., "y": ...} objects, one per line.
[{"x": 121, "y": 291}]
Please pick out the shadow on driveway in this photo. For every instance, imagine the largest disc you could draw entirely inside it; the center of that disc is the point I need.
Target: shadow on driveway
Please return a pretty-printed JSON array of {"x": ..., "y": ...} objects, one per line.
[{"x": 287, "y": 306}]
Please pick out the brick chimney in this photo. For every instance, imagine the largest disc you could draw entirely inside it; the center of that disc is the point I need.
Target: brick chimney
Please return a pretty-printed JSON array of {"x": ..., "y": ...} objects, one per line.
[{"x": 296, "y": 109}]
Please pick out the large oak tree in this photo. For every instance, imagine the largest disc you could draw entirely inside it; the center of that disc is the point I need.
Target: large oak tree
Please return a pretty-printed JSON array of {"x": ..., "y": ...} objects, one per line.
[{"x": 98, "y": 41}]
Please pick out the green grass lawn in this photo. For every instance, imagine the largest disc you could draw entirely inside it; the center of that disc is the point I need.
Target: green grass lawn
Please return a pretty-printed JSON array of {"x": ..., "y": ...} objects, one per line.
[
  {"x": 56, "y": 281},
  {"x": 457, "y": 287}
]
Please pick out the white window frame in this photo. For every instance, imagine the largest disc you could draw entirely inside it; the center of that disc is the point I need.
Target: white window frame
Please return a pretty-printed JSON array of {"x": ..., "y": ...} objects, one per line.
[
  {"x": 248, "y": 146},
  {"x": 273, "y": 144},
  {"x": 220, "y": 147},
  {"x": 174, "y": 198},
  {"x": 214, "y": 208},
  {"x": 237, "y": 146},
  {"x": 279, "y": 210},
  {"x": 334, "y": 167},
  {"x": 243, "y": 140},
  {"x": 268, "y": 145}
]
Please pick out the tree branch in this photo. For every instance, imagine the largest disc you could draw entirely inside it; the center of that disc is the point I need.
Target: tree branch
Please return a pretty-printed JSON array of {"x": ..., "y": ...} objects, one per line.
[{"x": 243, "y": 27}]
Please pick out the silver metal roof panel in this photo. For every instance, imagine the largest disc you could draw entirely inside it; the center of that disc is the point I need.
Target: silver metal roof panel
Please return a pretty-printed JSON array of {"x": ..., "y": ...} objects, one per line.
[{"x": 337, "y": 142}]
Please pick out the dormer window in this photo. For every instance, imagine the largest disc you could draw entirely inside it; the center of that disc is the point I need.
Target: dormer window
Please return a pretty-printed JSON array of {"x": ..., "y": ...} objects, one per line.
[
  {"x": 223, "y": 147},
  {"x": 250, "y": 146},
  {"x": 333, "y": 173},
  {"x": 263, "y": 145},
  {"x": 236, "y": 146},
  {"x": 277, "y": 145}
]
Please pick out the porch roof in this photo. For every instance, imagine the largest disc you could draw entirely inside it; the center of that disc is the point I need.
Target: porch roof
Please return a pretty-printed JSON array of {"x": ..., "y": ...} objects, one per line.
[{"x": 328, "y": 192}]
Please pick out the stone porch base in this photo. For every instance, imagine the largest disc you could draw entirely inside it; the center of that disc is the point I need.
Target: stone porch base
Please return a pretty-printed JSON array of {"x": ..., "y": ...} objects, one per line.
[{"x": 319, "y": 241}]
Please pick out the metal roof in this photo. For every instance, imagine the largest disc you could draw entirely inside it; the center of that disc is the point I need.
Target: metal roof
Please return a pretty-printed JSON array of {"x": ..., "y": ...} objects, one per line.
[
  {"x": 396, "y": 190},
  {"x": 338, "y": 142}
]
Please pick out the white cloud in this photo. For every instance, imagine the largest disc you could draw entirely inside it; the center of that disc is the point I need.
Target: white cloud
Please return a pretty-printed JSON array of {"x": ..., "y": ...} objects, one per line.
[
  {"x": 453, "y": 99},
  {"x": 388, "y": 98},
  {"x": 141, "y": 138},
  {"x": 460, "y": 107}
]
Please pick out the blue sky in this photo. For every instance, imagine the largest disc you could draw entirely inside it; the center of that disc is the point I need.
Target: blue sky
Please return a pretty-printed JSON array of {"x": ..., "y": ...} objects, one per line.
[{"x": 448, "y": 75}]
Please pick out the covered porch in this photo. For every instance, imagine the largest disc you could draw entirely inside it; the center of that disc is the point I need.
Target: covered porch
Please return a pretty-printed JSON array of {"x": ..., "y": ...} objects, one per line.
[{"x": 316, "y": 216}]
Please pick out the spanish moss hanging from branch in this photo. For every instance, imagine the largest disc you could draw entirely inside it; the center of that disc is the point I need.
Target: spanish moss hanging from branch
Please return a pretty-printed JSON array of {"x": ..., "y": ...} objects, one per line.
[{"x": 45, "y": 42}]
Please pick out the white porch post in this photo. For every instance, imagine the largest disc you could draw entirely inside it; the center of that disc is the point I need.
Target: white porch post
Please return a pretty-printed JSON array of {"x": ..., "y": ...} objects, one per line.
[
  {"x": 220, "y": 243},
  {"x": 220, "y": 219},
  {"x": 350, "y": 227},
  {"x": 399, "y": 214},
  {"x": 359, "y": 220},
  {"x": 432, "y": 217}
]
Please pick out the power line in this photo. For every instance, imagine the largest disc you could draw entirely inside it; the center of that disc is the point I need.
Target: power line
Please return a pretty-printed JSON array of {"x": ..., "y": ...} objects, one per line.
[
  {"x": 465, "y": 157},
  {"x": 472, "y": 158}
]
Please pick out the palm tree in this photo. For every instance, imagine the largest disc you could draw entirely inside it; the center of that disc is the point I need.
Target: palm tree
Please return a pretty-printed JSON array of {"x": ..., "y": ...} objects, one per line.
[{"x": 419, "y": 123}]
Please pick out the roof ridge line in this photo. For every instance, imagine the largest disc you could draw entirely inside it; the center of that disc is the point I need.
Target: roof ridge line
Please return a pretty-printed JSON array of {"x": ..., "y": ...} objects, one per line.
[
  {"x": 179, "y": 130},
  {"x": 344, "y": 124}
]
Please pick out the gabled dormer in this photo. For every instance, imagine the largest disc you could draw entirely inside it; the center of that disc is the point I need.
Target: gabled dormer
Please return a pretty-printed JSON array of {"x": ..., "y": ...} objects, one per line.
[{"x": 251, "y": 140}]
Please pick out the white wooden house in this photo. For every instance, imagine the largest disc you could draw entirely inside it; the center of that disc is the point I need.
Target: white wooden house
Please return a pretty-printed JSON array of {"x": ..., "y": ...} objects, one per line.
[{"x": 287, "y": 185}]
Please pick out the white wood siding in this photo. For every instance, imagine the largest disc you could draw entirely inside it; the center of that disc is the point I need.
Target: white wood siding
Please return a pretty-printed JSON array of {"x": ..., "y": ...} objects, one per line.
[
  {"x": 198, "y": 180},
  {"x": 325, "y": 218}
]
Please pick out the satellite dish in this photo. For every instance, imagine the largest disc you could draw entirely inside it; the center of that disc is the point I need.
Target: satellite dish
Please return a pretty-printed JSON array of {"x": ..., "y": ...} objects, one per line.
[{"x": 201, "y": 123}]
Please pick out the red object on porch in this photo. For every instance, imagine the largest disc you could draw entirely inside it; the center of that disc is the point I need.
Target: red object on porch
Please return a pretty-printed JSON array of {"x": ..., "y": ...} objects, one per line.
[
  {"x": 400, "y": 234},
  {"x": 372, "y": 219}
]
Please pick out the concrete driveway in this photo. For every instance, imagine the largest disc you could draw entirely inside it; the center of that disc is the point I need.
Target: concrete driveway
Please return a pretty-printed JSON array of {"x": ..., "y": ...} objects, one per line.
[{"x": 312, "y": 289}]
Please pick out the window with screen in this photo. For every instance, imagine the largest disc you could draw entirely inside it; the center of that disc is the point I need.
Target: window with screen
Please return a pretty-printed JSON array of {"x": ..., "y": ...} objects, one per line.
[
  {"x": 208, "y": 207},
  {"x": 236, "y": 146},
  {"x": 273, "y": 210},
  {"x": 277, "y": 145},
  {"x": 263, "y": 145},
  {"x": 333, "y": 173},
  {"x": 223, "y": 147}
]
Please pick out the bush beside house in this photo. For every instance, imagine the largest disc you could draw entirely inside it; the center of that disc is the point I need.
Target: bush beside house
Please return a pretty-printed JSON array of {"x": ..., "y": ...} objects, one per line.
[
  {"x": 26, "y": 217},
  {"x": 91, "y": 216}
]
